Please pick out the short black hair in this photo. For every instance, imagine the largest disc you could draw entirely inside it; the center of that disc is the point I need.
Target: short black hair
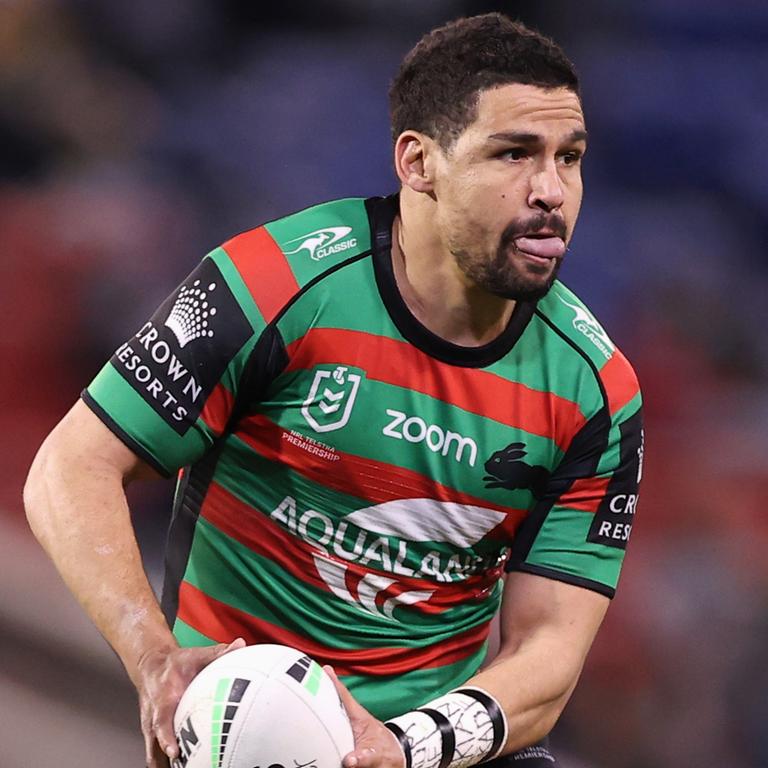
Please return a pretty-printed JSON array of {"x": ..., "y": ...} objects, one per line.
[{"x": 437, "y": 87}]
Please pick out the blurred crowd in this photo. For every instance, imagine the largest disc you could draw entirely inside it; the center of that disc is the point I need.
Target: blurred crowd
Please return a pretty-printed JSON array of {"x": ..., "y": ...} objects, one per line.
[{"x": 135, "y": 137}]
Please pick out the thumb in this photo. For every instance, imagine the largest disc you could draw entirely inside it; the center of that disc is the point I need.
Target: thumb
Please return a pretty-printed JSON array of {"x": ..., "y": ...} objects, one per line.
[
  {"x": 355, "y": 710},
  {"x": 221, "y": 648}
]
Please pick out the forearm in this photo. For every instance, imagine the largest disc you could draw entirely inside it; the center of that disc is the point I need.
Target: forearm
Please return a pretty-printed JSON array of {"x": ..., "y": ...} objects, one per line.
[
  {"x": 547, "y": 628},
  {"x": 510, "y": 705},
  {"x": 76, "y": 507}
]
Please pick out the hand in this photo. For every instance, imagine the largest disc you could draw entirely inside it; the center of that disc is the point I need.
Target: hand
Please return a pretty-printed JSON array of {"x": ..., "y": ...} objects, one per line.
[
  {"x": 163, "y": 676},
  {"x": 375, "y": 745}
]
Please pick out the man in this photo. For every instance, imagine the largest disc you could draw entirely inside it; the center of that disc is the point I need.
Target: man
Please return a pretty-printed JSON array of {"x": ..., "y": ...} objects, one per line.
[{"x": 376, "y": 408}]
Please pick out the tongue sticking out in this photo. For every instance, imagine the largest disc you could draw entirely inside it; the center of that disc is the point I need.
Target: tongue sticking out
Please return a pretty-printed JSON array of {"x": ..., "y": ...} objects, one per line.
[{"x": 544, "y": 247}]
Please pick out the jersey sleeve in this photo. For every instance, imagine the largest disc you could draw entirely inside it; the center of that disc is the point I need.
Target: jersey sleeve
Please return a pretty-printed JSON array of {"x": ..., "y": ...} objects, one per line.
[
  {"x": 169, "y": 390},
  {"x": 578, "y": 531}
]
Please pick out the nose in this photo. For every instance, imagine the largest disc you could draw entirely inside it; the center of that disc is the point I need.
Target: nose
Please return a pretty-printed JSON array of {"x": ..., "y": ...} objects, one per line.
[{"x": 546, "y": 191}]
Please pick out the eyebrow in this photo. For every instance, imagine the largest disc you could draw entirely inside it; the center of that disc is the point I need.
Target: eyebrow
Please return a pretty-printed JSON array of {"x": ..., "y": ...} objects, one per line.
[{"x": 518, "y": 137}]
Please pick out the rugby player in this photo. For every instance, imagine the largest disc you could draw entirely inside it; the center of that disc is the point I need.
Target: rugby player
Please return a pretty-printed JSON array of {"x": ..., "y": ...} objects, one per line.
[{"x": 390, "y": 421}]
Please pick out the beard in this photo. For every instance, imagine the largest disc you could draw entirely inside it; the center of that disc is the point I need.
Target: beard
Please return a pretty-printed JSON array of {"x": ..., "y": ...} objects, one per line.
[{"x": 506, "y": 276}]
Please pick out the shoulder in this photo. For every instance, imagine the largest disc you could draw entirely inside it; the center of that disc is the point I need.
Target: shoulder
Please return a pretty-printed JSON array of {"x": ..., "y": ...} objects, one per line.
[
  {"x": 570, "y": 319},
  {"x": 277, "y": 260}
]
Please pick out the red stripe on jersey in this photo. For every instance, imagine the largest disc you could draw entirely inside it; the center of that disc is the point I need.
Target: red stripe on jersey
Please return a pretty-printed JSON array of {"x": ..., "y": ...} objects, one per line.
[
  {"x": 506, "y": 530},
  {"x": 267, "y": 538},
  {"x": 481, "y": 392},
  {"x": 620, "y": 381},
  {"x": 374, "y": 481},
  {"x": 264, "y": 269},
  {"x": 223, "y": 623},
  {"x": 218, "y": 408},
  {"x": 585, "y": 494}
]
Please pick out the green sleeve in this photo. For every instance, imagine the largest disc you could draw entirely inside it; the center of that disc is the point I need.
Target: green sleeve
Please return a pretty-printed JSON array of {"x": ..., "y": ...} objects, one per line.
[
  {"x": 169, "y": 390},
  {"x": 578, "y": 531}
]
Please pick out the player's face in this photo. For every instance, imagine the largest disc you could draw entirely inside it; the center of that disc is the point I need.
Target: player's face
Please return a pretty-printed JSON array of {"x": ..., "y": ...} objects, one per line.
[{"x": 509, "y": 189}]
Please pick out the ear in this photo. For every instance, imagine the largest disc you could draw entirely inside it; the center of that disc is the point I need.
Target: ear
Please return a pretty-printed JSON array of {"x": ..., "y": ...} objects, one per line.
[{"x": 415, "y": 156}]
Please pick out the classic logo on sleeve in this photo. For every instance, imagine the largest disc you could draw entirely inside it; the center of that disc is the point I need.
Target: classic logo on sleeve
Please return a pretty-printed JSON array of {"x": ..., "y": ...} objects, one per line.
[
  {"x": 178, "y": 356},
  {"x": 614, "y": 517},
  {"x": 585, "y": 323},
  {"x": 323, "y": 242}
]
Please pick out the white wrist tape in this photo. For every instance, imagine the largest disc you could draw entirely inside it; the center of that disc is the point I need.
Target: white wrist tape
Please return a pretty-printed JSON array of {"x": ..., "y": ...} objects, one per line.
[{"x": 456, "y": 730}]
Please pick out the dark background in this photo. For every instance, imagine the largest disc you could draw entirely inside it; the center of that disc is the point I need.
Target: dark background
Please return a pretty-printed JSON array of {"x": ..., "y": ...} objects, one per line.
[{"x": 136, "y": 136}]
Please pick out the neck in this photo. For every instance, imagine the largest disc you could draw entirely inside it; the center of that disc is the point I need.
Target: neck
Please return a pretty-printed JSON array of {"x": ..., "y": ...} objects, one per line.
[{"x": 435, "y": 289}]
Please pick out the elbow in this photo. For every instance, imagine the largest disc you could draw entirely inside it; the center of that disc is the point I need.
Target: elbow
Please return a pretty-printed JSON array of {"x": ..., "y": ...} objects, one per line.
[
  {"x": 536, "y": 720},
  {"x": 535, "y": 724},
  {"x": 550, "y": 710},
  {"x": 551, "y": 714},
  {"x": 46, "y": 485},
  {"x": 35, "y": 490}
]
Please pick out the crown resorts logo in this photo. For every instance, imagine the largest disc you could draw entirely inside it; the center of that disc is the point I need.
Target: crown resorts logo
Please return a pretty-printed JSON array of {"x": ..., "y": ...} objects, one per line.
[
  {"x": 188, "y": 319},
  {"x": 323, "y": 242}
]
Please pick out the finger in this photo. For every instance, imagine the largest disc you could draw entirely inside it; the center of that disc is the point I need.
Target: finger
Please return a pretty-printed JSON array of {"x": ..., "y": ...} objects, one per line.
[
  {"x": 354, "y": 709},
  {"x": 361, "y": 758},
  {"x": 166, "y": 739},
  {"x": 158, "y": 758},
  {"x": 149, "y": 744}
]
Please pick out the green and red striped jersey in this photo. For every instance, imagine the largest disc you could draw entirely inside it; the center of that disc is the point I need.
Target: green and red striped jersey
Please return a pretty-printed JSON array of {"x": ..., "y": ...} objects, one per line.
[{"x": 350, "y": 483}]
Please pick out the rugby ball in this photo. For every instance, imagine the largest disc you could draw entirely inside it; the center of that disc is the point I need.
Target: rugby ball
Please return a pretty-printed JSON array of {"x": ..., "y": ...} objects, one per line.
[{"x": 263, "y": 706}]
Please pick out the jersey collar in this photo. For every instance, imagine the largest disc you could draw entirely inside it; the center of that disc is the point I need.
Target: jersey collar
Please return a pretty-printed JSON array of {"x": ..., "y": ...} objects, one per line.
[{"x": 381, "y": 215}]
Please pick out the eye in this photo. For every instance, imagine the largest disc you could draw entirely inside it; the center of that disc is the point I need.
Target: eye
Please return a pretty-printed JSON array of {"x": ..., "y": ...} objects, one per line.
[
  {"x": 514, "y": 153},
  {"x": 571, "y": 158}
]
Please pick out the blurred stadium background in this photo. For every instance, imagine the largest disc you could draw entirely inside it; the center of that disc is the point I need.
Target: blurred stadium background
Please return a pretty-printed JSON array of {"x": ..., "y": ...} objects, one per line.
[{"x": 135, "y": 136}]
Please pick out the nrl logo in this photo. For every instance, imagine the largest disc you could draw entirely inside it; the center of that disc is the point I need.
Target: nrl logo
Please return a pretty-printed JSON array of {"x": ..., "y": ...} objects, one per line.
[
  {"x": 329, "y": 403},
  {"x": 585, "y": 323},
  {"x": 323, "y": 242}
]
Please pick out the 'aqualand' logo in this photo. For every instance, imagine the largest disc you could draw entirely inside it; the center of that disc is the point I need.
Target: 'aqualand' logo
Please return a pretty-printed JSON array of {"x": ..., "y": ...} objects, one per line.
[
  {"x": 323, "y": 242},
  {"x": 382, "y": 538}
]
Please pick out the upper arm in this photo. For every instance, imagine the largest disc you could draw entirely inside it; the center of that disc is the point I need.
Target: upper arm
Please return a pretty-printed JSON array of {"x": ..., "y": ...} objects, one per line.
[
  {"x": 81, "y": 439},
  {"x": 551, "y": 611}
]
